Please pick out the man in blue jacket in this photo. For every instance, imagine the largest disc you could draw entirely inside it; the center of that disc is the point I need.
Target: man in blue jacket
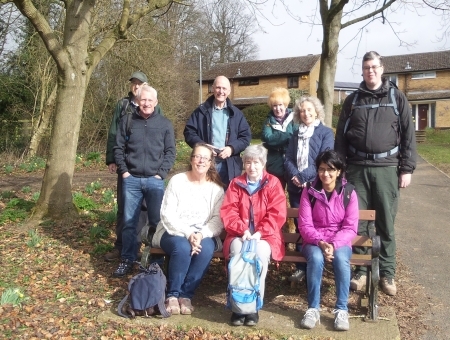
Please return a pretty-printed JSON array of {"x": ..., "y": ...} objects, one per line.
[
  {"x": 223, "y": 126},
  {"x": 144, "y": 154}
]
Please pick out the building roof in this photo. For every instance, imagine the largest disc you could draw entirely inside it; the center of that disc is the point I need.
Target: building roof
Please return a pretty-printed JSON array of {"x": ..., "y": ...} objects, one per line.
[
  {"x": 428, "y": 95},
  {"x": 250, "y": 101},
  {"x": 416, "y": 62},
  {"x": 261, "y": 68},
  {"x": 345, "y": 85}
]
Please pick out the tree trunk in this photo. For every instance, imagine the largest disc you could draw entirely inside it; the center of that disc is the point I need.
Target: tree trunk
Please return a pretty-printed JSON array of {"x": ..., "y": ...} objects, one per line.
[
  {"x": 55, "y": 199},
  {"x": 75, "y": 66},
  {"x": 331, "y": 25},
  {"x": 43, "y": 123}
]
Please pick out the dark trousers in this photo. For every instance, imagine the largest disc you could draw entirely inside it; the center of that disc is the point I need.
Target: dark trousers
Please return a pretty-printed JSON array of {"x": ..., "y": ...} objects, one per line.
[{"x": 377, "y": 189}]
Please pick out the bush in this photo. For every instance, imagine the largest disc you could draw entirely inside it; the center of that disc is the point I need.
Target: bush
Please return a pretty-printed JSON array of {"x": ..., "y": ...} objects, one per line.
[
  {"x": 337, "y": 108},
  {"x": 334, "y": 121},
  {"x": 256, "y": 116},
  {"x": 83, "y": 203}
]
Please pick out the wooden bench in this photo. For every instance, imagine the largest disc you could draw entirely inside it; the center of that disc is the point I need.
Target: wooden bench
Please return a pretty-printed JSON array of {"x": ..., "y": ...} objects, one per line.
[{"x": 370, "y": 261}]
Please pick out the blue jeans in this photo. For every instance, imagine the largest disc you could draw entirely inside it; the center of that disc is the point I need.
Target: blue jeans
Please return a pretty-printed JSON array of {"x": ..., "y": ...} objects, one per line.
[
  {"x": 294, "y": 201},
  {"x": 119, "y": 221},
  {"x": 185, "y": 271},
  {"x": 136, "y": 189},
  {"x": 341, "y": 267}
]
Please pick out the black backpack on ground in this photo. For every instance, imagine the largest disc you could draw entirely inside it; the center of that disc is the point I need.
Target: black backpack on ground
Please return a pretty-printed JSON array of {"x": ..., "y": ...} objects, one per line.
[{"x": 146, "y": 294}]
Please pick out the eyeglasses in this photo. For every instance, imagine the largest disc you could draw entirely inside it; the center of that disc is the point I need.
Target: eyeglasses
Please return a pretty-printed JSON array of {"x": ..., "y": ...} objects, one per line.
[
  {"x": 374, "y": 67},
  {"x": 329, "y": 170},
  {"x": 202, "y": 158}
]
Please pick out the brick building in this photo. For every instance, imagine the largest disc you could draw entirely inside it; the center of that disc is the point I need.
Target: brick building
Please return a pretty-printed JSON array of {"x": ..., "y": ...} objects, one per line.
[
  {"x": 425, "y": 80},
  {"x": 342, "y": 90},
  {"x": 252, "y": 81}
]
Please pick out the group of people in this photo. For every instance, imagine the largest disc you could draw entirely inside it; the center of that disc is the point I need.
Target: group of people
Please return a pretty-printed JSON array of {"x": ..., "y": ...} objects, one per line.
[{"x": 374, "y": 138}]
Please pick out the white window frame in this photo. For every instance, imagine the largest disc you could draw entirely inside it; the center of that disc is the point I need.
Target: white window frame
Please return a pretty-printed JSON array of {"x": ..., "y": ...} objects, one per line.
[
  {"x": 424, "y": 75},
  {"x": 393, "y": 76}
]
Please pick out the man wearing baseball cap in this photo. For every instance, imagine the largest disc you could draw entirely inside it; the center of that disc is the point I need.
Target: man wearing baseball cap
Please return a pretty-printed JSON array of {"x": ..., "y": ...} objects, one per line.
[{"x": 125, "y": 106}]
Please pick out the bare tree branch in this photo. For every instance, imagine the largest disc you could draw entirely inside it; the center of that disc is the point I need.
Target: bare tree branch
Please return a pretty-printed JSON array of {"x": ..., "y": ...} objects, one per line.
[
  {"x": 368, "y": 15},
  {"x": 41, "y": 25}
]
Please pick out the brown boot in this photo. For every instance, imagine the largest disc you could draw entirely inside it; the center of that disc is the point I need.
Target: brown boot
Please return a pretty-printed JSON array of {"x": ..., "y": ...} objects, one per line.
[
  {"x": 388, "y": 286},
  {"x": 112, "y": 255},
  {"x": 358, "y": 282}
]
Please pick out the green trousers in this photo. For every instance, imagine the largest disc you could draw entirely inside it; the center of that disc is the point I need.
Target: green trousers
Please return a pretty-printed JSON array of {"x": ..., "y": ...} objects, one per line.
[{"x": 377, "y": 189}]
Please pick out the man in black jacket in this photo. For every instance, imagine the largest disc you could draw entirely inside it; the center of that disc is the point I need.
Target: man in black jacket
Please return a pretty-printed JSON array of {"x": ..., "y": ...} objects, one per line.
[
  {"x": 125, "y": 106},
  {"x": 376, "y": 135},
  {"x": 223, "y": 126},
  {"x": 144, "y": 154}
]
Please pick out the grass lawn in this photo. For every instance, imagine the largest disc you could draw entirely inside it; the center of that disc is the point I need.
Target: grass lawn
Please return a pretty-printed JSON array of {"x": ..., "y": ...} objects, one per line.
[{"x": 436, "y": 149}]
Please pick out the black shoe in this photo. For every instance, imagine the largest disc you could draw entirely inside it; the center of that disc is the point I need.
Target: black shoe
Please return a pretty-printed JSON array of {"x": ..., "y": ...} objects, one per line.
[
  {"x": 125, "y": 267},
  {"x": 237, "y": 319},
  {"x": 251, "y": 319}
]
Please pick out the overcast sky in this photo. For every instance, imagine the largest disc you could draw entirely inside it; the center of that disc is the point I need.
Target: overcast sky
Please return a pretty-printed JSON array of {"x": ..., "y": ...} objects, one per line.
[{"x": 289, "y": 38}]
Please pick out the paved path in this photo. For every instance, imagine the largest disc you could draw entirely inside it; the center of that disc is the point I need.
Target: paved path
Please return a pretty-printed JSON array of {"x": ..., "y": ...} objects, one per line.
[{"x": 423, "y": 240}]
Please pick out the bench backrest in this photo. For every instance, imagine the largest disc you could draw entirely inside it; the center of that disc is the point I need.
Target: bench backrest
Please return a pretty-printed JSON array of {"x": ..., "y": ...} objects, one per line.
[{"x": 362, "y": 241}]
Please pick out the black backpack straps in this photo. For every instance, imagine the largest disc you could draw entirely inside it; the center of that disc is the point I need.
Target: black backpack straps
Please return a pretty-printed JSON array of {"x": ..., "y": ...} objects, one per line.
[
  {"x": 125, "y": 106},
  {"x": 120, "y": 307},
  {"x": 312, "y": 199},
  {"x": 128, "y": 126},
  {"x": 393, "y": 100},
  {"x": 162, "y": 301},
  {"x": 348, "y": 189},
  {"x": 162, "y": 307},
  {"x": 393, "y": 104},
  {"x": 347, "y": 122},
  {"x": 125, "y": 103}
]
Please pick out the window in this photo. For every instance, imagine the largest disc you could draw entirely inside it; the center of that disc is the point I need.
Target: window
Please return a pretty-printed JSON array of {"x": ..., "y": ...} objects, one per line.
[
  {"x": 393, "y": 78},
  {"x": 249, "y": 81},
  {"x": 423, "y": 75},
  {"x": 210, "y": 87},
  {"x": 292, "y": 82}
]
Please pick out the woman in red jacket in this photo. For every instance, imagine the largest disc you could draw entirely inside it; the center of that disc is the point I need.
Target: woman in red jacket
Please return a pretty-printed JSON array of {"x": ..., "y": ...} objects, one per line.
[{"x": 259, "y": 192}]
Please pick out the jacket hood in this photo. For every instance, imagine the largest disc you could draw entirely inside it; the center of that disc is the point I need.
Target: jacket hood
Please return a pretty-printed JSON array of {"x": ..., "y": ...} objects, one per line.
[
  {"x": 242, "y": 179},
  {"x": 340, "y": 183},
  {"x": 381, "y": 91}
]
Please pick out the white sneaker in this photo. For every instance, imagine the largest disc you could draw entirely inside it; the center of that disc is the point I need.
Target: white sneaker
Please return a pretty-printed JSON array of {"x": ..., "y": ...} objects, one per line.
[
  {"x": 341, "y": 320},
  {"x": 312, "y": 315}
]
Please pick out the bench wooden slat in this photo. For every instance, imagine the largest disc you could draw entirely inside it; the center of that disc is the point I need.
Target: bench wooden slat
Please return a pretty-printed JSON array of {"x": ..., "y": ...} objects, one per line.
[
  {"x": 357, "y": 259},
  {"x": 366, "y": 215},
  {"x": 360, "y": 241}
]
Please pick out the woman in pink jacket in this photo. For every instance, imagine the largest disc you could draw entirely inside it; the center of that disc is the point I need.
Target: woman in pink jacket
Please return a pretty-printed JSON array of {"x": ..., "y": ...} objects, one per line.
[
  {"x": 261, "y": 193},
  {"x": 328, "y": 226}
]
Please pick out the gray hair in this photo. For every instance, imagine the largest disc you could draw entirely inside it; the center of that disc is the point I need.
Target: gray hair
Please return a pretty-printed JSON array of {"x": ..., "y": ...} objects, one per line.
[
  {"x": 257, "y": 151},
  {"x": 372, "y": 55},
  {"x": 317, "y": 106},
  {"x": 147, "y": 88}
]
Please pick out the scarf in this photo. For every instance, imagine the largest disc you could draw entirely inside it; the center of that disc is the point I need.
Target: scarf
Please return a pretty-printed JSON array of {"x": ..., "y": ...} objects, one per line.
[{"x": 304, "y": 134}]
